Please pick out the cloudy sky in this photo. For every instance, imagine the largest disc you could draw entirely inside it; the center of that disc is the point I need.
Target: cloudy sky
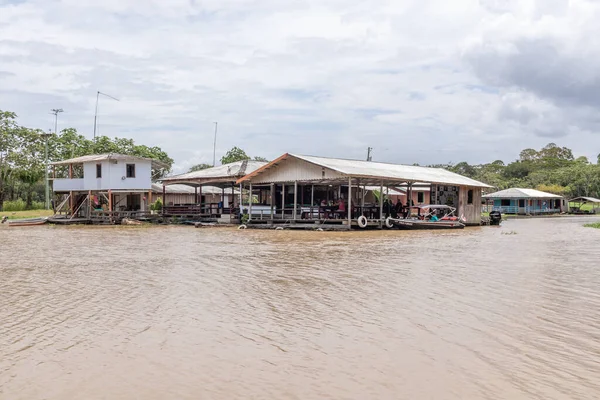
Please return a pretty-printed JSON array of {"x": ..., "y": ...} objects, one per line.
[{"x": 427, "y": 81}]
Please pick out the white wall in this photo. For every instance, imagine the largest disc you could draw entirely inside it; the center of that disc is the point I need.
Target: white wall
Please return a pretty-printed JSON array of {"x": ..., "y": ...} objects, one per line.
[{"x": 113, "y": 174}]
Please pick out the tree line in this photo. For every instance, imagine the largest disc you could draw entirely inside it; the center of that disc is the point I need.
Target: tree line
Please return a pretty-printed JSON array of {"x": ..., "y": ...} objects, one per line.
[
  {"x": 551, "y": 169},
  {"x": 22, "y": 156}
]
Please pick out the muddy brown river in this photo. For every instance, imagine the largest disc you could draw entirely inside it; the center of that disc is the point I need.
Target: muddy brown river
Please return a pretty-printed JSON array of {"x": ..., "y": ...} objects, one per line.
[{"x": 509, "y": 312}]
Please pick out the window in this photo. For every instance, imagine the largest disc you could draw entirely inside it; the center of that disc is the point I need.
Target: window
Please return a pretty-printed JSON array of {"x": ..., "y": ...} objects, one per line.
[
  {"x": 420, "y": 197},
  {"x": 98, "y": 170},
  {"x": 505, "y": 203},
  {"x": 470, "y": 197},
  {"x": 130, "y": 170}
]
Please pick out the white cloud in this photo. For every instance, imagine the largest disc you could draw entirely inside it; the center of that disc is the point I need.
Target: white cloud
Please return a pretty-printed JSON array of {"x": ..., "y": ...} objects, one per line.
[{"x": 474, "y": 80}]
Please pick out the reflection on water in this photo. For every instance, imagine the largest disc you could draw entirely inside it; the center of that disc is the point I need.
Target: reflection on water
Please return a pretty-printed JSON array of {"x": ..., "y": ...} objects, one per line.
[{"x": 222, "y": 314}]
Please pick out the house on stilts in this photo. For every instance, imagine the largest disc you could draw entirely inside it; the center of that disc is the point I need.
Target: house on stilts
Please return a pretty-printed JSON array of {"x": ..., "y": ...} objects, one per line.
[
  {"x": 105, "y": 183},
  {"x": 302, "y": 190}
]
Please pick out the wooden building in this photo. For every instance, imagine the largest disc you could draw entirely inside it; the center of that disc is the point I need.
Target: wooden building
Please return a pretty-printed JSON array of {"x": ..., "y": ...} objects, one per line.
[
  {"x": 204, "y": 182},
  {"x": 180, "y": 195},
  {"x": 527, "y": 202},
  {"x": 112, "y": 182},
  {"x": 293, "y": 188}
]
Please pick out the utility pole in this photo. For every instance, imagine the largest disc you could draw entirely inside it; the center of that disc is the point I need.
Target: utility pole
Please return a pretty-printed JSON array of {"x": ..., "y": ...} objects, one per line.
[
  {"x": 98, "y": 93},
  {"x": 215, "y": 146},
  {"x": 369, "y": 150},
  {"x": 46, "y": 178}
]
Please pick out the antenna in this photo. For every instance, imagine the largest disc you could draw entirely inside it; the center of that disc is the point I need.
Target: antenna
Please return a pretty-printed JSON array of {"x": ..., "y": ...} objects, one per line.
[
  {"x": 98, "y": 93},
  {"x": 369, "y": 157}
]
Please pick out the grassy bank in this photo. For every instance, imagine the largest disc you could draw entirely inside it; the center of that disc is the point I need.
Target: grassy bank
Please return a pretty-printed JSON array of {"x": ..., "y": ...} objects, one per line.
[
  {"x": 595, "y": 225},
  {"x": 26, "y": 214}
]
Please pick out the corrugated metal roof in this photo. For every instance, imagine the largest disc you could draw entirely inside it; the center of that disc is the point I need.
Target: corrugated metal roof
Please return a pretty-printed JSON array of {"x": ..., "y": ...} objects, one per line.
[
  {"x": 185, "y": 189},
  {"x": 384, "y": 171},
  {"x": 104, "y": 157},
  {"x": 233, "y": 170},
  {"x": 586, "y": 199},
  {"x": 390, "y": 191},
  {"x": 518, "y": 193}
]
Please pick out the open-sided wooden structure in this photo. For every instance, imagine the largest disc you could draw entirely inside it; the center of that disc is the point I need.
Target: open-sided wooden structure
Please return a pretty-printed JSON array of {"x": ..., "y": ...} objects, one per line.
[
  {"x": 293, "y": 187},
  {"x": 223, "y": 177}
]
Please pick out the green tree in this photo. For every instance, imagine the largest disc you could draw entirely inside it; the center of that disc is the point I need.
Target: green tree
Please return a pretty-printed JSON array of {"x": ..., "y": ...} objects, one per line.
[
  {"x": 233, "y": 155},
  {"x": 199, "y": 167},
  {"x": 257, "y": 158}
]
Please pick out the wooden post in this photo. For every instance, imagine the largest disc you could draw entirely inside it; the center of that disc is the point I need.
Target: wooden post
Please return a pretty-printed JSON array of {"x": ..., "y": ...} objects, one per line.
[
  {"x": 381, "y": 206},
  {"x": 272, "y": 202},
  {"x": 312, "y": 199},
  {"x": 164, "y": 199},
  {"x": 349, "y": 202},
  {"x": 200, "y": 198},
  {"x": 71, "y": 203},
  {"x": 196, "y": 194},
  {"x": 295, "y": 198},
  {"x": 283, "y": 201},
  {"x": 223, "y": 200},
  {"x": 89, "y": 204},
  {"x": 149, "y": 198},
  {"x": 110, "y": 200},
  {"x": 250, "y": 203}
]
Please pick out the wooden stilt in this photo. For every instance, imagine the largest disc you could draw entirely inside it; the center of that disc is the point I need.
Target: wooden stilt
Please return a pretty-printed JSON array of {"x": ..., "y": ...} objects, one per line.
[
  {"x": 200, "y": 199},
  {"x": 164, "y": 199},
  {"x": 295, "y": 198},
  {"x": 250, "y": 203},
  {"x": 90, "y": 204},
  {"x": 312, "y": 199},
  {"x": 272, "y": 201},
  {"x": 381, "y": 206},
  {"x": 349, "y": 202},
  {"x": 283, "y": 201}
]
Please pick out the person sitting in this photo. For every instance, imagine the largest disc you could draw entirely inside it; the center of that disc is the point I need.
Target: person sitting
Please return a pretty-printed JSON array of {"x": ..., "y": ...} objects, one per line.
[{"x": 434, "y": 217}]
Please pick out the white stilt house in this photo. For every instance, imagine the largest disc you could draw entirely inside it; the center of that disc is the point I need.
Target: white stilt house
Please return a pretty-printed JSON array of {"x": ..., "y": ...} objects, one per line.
[{"x": 112, "y": 182}]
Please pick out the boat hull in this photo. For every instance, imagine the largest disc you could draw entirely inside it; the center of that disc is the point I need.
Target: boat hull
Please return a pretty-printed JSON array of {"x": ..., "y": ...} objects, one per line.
[
  {"x": 28, "y": 222},
  {"x": 422, "y": 225}
]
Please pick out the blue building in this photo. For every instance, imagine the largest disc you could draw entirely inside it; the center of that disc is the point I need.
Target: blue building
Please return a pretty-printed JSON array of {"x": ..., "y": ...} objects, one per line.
[{"x": 527, "y": 202}]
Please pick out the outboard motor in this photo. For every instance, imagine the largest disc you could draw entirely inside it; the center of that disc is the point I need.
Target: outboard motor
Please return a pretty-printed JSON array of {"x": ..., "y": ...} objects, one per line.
[{"x": 495, "y": 218}]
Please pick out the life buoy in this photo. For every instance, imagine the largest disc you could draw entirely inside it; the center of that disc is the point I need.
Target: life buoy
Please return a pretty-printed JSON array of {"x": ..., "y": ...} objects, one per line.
[
  {"x": 388, "y": 223},
  {"x": 362, "y": 221},
  {"x": 242, "y": 227}
]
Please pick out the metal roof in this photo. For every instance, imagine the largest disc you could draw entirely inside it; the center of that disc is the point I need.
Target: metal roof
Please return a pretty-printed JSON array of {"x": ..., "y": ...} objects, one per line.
[
  {"x": 186, "y": 189},
  {"x": 585, "y": 199},
  {"x": 518, "y": 193},
  {"x": 227, "y": 172},
  {"x": 379, "y": 171},
  {"x": 103, "y": 157}
]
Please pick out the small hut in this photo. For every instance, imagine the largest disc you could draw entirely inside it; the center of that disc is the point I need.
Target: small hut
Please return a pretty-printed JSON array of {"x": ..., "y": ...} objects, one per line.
[{"x": 584, "y": 205}]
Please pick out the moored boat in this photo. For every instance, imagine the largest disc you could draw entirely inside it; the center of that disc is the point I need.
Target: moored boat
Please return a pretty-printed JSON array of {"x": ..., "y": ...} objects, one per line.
[
  {"x": 28, "y": 222},
  {"x": 427, "y": 218}
]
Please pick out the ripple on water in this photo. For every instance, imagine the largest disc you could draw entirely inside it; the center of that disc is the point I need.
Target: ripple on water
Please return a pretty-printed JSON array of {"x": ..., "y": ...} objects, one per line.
[{"x": 175, "y": 312}]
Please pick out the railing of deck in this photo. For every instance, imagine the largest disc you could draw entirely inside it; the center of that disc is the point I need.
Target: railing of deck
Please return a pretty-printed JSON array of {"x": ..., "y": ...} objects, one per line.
[{"x": 525, "y": 210}]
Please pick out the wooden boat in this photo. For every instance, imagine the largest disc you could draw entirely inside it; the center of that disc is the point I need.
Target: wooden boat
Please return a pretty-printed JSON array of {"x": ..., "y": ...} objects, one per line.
[
  {"x": 423, "y": 220},
  {"x": 28, "y": 222}
]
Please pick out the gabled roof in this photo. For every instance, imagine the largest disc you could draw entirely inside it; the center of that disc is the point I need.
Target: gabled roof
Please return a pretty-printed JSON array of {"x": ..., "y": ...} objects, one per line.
[
  {"x": 103, "y": 157},
  {"x": 518, "y": 193},
  {"x": 227, "y": 172},
  {"x": 378, "y": 171},
  {"x": 585, "y": 199}
]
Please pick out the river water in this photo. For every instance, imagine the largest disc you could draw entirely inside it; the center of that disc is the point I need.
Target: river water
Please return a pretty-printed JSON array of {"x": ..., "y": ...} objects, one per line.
[{"x": 509, "y": 312}]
